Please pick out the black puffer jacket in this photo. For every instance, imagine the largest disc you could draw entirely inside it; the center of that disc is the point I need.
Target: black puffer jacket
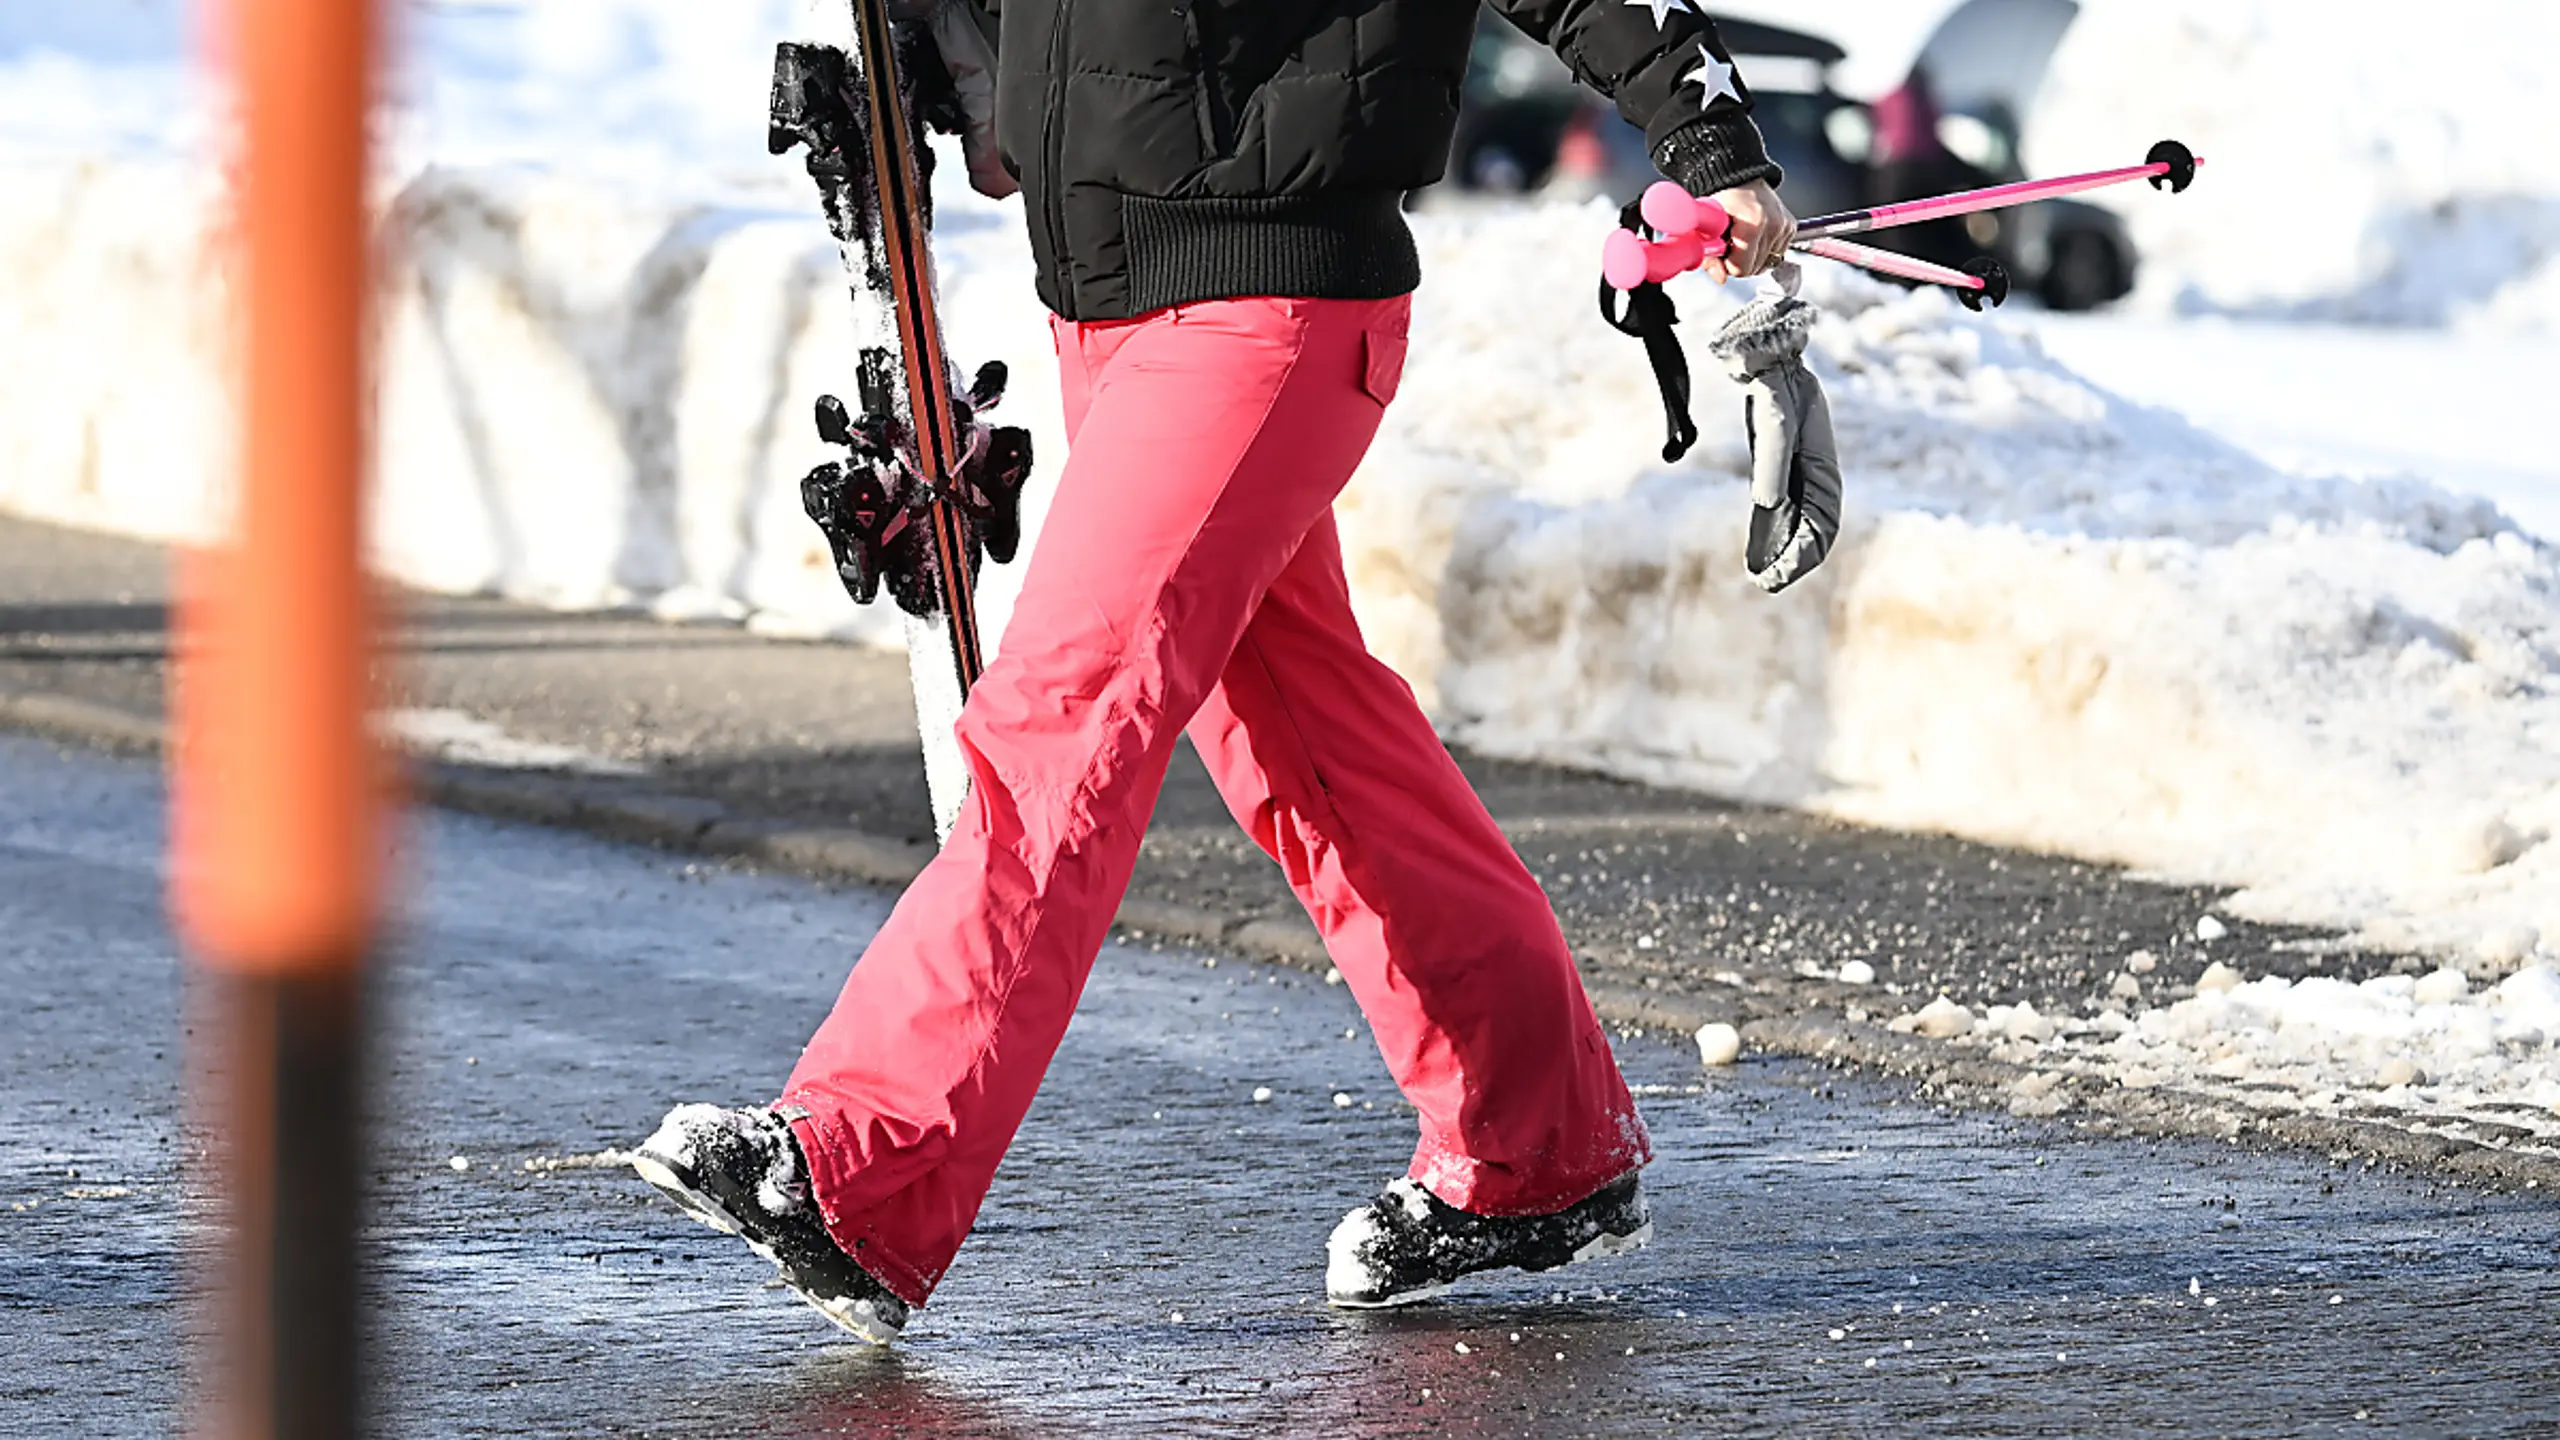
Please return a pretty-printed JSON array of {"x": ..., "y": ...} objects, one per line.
[{"x": 1175, "y": 150}]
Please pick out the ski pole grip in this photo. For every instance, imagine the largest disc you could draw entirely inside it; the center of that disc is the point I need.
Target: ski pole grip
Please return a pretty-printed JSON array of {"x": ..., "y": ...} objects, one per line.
[
  {"x": 1628, "y": 260},
  {"x": 1673, "y": 211},
  {"x": 1692, "y": 230}
]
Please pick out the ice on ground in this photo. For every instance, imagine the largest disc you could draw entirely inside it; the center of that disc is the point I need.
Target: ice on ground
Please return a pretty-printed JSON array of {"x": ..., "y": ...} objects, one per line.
[
  {"x": 607, "y": 1159},
  {"x": 465, "y": 739}
]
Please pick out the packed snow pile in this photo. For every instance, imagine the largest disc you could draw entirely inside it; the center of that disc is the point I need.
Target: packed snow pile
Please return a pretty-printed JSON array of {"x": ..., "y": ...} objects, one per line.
[
  {"x": 588, "y": 397},
  {"x": 2364, "y": 162},
  {"x": 2438, "y": 1051}
]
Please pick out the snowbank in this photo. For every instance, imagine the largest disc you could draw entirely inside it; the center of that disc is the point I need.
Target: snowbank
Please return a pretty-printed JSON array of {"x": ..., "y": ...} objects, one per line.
[
  {"x": 2365, "y": 162},
  {"x": 588, "y": 398},
  {"x": 2057, "y": 619}
]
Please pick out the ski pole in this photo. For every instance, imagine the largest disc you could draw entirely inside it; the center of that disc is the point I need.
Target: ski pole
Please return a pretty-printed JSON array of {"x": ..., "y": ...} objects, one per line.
[
  {"x": 1690, "y": 229},
  {"x": 2169, "y": 165},
  {"x": 1983, "y": 280}
]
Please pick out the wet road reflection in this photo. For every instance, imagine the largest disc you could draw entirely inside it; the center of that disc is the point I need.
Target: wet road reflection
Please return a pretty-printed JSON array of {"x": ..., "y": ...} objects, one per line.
[{"x": 1832, "y": 1258}]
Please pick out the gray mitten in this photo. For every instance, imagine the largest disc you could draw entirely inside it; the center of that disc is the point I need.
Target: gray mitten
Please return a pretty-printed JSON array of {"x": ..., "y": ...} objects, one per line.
[{"x": 1795, "y": 463}]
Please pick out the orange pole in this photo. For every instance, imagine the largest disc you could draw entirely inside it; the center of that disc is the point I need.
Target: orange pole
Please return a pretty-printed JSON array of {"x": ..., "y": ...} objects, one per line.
[
  {"x": 277, "y": 827},
  {"x": 277, "y": 824}
]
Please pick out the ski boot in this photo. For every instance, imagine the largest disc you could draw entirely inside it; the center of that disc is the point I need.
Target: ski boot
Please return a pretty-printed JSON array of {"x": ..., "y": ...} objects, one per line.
[
  {"x": 1409, "y": 1244},
  {"x": 741, "y": 1173}
]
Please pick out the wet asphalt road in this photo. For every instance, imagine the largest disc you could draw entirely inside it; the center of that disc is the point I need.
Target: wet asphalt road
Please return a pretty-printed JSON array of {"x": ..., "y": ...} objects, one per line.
[
  {"x": 1657, "y": 889},
  {"x": 1832, "y": 1259}
]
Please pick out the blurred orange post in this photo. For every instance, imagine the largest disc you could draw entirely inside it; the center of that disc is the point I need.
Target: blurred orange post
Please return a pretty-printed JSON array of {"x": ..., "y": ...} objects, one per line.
[{"x": 277, "y": 822}]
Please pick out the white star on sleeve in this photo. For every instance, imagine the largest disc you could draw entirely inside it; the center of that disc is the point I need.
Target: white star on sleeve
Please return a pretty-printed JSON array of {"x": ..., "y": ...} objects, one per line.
[
  {"x": 1712, "y": 76},
  {"x": 1662, "y": 9}
]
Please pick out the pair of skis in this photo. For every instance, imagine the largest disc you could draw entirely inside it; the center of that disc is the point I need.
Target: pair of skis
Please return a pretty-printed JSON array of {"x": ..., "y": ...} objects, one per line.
[
  {"x": 926, "y": 488},
  {"x": 1667, "y": 232}
]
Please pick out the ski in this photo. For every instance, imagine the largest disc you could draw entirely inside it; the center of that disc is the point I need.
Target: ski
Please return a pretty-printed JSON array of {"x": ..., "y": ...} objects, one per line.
[{"x": 926, "y": 489}]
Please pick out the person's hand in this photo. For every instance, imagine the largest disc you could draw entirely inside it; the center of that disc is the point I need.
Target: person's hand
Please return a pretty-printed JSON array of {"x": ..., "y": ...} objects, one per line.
[{"x": 1757, "y": 235}]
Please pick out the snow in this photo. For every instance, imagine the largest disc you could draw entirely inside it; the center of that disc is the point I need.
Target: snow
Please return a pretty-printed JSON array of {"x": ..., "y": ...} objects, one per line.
[
  {"x": 2468, "y": 410},
  {"x": 1347, "y": 1269},
  {"x": 2245, "y": 646},
  {"x": 2362, "y": 164},
  {"x": 2057, "y": 618},
  {"x": 1940, "y": 1019},
  {"x": 1719, "y": 1044},
  {"x": 2431, "y": 1052}
]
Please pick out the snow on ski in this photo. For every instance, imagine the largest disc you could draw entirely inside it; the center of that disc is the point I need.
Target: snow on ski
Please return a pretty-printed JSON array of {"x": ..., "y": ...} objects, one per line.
[{"x": 926, "y": 488}]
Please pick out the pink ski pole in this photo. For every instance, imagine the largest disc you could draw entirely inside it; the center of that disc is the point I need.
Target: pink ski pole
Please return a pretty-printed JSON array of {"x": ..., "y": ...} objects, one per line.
[
  {"x": 2169, "y": 166},
  {"x": 1984, "y": 281},
  {"x": 1691, "y": 229}
]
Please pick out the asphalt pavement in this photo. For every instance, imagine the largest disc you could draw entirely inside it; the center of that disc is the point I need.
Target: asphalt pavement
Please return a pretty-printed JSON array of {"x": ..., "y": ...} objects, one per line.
[{"x": 1832, "y": 1259}]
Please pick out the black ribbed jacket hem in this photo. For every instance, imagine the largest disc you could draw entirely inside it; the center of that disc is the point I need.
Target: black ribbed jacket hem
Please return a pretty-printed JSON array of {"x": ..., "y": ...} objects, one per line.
[{"x": 1352, "y": 246}]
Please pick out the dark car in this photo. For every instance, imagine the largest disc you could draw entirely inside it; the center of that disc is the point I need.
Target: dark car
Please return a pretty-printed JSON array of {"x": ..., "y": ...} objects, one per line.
[{"x": 1953, "y": 125}]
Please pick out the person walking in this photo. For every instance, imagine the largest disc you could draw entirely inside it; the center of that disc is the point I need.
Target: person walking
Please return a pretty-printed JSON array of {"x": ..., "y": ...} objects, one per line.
[{"x": 1214, "y": 195}]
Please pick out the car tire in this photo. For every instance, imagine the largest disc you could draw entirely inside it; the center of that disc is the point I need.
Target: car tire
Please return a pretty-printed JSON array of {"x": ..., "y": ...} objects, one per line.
[{"x": 2085, "y": 272}]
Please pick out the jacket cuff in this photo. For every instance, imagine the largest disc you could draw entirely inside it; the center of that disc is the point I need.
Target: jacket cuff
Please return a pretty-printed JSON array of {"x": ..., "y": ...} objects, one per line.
[{"x": 1716, "y": 152}]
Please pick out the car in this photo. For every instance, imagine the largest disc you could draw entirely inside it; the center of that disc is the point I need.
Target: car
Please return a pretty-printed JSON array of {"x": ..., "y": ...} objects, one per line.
[{"x": 1524, "y": 125}]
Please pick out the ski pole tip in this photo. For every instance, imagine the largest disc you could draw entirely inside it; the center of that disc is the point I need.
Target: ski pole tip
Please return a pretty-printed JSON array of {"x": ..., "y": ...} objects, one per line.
[{"x": 1993, "y": 289}]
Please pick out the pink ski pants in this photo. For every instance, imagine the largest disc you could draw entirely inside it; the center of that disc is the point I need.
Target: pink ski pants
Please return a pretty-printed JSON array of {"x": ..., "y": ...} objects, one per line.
[{"x": 1189, "y": 574}]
